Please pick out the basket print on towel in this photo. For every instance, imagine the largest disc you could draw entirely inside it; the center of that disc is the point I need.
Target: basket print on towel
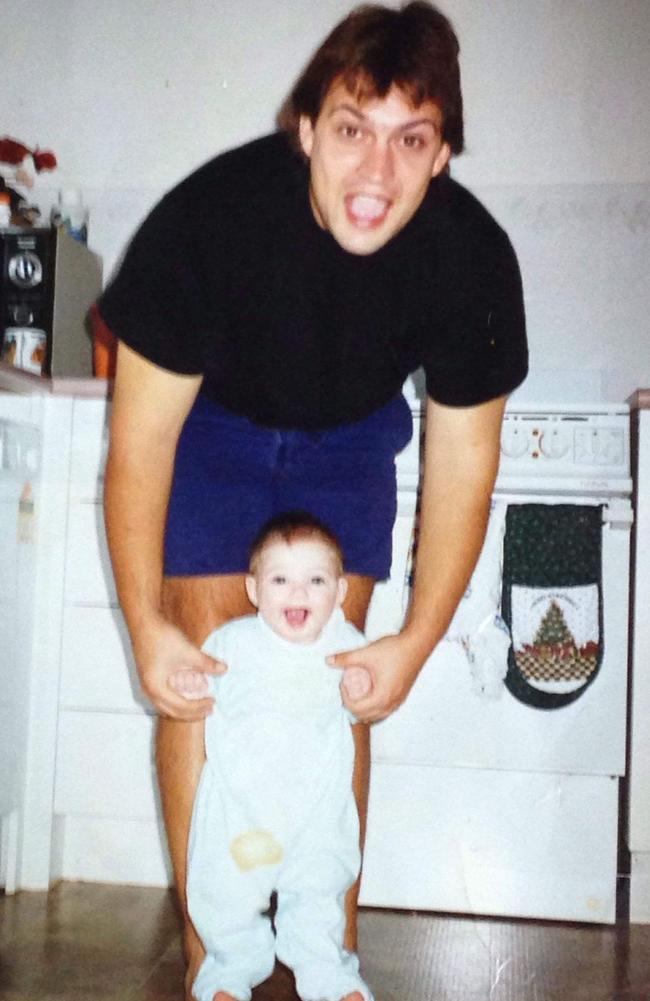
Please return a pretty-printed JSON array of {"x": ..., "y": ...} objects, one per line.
[{"x": 552, "y": 601}]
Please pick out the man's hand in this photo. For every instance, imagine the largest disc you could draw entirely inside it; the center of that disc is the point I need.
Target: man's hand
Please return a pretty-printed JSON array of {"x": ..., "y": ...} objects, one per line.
[
  {"x": 393, "y": 663},
  {"x": 162, "y": 650}
]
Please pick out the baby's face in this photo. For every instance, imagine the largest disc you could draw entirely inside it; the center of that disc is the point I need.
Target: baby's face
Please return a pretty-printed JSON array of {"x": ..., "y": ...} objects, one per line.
[{"x": 296, "y": 588}]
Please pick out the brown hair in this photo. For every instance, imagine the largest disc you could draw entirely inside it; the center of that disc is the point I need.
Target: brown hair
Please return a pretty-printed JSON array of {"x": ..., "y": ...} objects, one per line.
[
  {"x": 290, "y": 527},
  {"x": 374, "y": 47}
]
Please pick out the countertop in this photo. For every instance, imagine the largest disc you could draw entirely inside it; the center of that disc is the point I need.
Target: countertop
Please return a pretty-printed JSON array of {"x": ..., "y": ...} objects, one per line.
[
  {"x": 640, "y": 400},
  {"x": 13, "y": 380}
]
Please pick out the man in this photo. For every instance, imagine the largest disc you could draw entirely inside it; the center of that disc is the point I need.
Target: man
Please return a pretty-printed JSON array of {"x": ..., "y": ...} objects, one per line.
[{"x": 268, "y": 312}]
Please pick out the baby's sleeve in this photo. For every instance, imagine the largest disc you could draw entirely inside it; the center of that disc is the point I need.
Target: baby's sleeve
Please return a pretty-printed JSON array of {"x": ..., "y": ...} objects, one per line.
[
  {"x": 215, "y": 646},
  {"x": 351, "y": 639}
]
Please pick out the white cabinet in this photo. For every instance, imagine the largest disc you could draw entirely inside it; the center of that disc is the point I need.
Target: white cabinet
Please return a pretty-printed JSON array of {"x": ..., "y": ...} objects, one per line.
[
  {"x": 36, "y": 454},
  {"x": 107, "y": 822},
  {"x": 77, "y": 792},
  {"x": 19, "y": 443}
]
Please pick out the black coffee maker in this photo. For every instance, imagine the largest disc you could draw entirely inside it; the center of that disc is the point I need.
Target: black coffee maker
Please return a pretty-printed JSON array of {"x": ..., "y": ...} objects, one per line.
[{"x": 48, "y": 281}]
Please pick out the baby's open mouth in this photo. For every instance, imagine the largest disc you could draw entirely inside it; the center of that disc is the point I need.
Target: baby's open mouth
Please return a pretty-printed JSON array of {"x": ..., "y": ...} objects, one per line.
[{"x": 296, "y": 617}]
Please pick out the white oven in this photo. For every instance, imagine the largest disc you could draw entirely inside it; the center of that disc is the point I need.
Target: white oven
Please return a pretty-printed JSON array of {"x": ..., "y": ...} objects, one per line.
[{"x": 495, "y": 787}]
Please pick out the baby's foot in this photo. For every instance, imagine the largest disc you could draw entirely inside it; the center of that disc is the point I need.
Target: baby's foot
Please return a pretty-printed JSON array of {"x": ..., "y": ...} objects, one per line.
[
  {"x": 223, "y": 996},
  {"x": 355, "y": 996}
]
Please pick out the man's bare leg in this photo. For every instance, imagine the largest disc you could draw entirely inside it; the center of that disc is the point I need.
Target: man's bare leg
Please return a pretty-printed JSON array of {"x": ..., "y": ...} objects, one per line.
[
  {"x": 355, "y": 608},
  {"x": 197, "y": 605}
]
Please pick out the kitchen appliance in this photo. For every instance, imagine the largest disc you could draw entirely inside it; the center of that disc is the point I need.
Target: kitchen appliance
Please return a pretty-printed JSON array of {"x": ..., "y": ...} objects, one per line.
[
  {"x": 480, "y": 802},
  {"x": 48, "y": 281}
]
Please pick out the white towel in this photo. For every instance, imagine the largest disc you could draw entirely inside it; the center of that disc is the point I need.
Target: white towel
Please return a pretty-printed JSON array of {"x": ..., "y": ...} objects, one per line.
[{"x": 477, "y": 625}]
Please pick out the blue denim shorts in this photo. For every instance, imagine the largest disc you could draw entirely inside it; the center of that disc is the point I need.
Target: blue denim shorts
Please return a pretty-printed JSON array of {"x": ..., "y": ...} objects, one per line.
[{"x": 232, "y": 475}]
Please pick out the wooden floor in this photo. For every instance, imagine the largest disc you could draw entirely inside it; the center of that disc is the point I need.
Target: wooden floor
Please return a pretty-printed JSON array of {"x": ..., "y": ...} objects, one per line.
[{"x": 115, "y": 943}]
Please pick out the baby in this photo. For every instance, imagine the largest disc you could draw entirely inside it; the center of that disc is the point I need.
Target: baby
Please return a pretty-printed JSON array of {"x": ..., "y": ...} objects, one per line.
[{"x": 275, "y": 808}]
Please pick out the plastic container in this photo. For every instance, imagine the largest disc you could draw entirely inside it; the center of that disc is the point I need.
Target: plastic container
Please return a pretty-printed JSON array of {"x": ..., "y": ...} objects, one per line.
[
  {"x": 5, "y": 210},
  {"x": 71, "y": 213}
]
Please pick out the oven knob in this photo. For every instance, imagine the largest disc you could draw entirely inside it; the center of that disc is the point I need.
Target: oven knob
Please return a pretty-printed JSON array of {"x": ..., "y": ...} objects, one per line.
[
  {"x": 553, "y": 444},
  {"x": 21, "y": 315},
  {"x": 514, "y": 442},
  {"x": 25, "y": 270},
  {"x": 609, "y": 447}
]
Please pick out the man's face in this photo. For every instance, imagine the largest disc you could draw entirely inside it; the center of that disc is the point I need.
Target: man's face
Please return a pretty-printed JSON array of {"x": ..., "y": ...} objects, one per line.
[
  {"x": 370, "y": 164},
  {"x": 296, "y": 588}
]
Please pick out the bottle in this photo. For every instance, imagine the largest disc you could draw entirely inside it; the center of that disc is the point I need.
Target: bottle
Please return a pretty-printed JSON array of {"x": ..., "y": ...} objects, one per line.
[
  {"x": 5, "y": 210},
  {"x": 26, "y": 514},
  {"x": 72, "y": 214}
]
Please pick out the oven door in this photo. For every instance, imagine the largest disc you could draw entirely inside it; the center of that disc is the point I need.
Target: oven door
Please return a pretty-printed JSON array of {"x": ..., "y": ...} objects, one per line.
[{"x": 482, "y": 804}]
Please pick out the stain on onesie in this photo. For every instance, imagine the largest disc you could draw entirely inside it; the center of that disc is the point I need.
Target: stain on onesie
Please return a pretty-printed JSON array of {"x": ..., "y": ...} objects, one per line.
[{"x": 253, "y": 849}]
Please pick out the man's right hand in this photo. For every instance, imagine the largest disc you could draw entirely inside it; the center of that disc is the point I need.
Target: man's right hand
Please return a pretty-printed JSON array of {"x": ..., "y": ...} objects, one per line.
[{"x": 162, "y": 650}]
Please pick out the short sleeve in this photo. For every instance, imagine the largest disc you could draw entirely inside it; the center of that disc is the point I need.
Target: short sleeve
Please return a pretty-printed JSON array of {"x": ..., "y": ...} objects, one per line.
[
  {"x": 479, "y": 349},
  {"x": 155, "y": 301}
]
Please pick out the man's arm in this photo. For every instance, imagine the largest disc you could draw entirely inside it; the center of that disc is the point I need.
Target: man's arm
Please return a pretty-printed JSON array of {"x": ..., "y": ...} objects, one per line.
[
  {"x": 150, "y": 405},
  {"x": 460, "y": 466}
]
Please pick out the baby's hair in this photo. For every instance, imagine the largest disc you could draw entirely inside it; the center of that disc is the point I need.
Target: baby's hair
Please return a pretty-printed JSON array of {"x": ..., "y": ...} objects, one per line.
[{"x": 290, "y": 527}]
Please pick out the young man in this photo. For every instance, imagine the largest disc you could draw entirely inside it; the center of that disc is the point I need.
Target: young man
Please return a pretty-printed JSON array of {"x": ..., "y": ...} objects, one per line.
[{"x": 269, "y": 310}]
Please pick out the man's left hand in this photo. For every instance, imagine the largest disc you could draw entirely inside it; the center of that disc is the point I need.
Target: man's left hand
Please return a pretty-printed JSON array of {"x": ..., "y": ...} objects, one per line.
[{"x": 393, "y": 665}]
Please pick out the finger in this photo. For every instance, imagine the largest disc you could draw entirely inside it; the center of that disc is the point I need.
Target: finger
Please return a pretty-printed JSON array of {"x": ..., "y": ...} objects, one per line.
[
  {"x": 189, "y": 684},
  {"x": 177, "y": 706},
  {"x": 194, "y": 696},
  {"x": 366, "y": 707},
  {"x": 210, "y": 665},
  {"x": 348, "y": 658},
  {"x": 189, "y": 711},
  {"x": 180, "y": 681},
  {"x": 372, "y": 714},
  {"x": 369, "y": 699}
]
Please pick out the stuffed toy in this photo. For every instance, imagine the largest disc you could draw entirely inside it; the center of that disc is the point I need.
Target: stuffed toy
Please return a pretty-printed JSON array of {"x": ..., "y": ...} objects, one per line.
[{"x": 19, "y": 165}]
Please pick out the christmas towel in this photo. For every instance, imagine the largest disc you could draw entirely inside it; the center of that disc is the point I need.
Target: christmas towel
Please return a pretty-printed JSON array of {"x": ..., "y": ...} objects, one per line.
[
  {"x": 477, "y": 626},
  {"x": 552, "y": 601}
]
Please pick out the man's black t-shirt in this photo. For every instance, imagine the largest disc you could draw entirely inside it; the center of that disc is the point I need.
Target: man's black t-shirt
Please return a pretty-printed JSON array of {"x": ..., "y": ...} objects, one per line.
[{"x": 231, "y": 277}]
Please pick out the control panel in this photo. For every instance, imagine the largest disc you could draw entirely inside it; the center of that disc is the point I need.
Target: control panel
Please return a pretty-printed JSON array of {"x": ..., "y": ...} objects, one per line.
[{"x": 575, "y": 445}]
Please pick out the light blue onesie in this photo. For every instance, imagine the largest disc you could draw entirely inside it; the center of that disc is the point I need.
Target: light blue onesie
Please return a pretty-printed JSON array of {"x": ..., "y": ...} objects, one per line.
[{"x": 275, "y": 811}]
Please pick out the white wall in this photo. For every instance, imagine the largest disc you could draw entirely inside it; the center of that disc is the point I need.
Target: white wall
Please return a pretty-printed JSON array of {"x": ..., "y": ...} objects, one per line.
[{"x": 133, "y": 96}]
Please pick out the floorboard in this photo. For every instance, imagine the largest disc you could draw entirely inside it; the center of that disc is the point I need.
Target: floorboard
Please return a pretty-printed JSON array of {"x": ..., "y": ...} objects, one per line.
[{"x": 120, "y": 943}]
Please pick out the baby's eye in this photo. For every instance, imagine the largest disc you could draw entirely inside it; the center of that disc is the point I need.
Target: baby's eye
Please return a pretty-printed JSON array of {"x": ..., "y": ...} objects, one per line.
[
  {"x": 278, "y": 579},
  {"x": 318, "y": 580}
]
